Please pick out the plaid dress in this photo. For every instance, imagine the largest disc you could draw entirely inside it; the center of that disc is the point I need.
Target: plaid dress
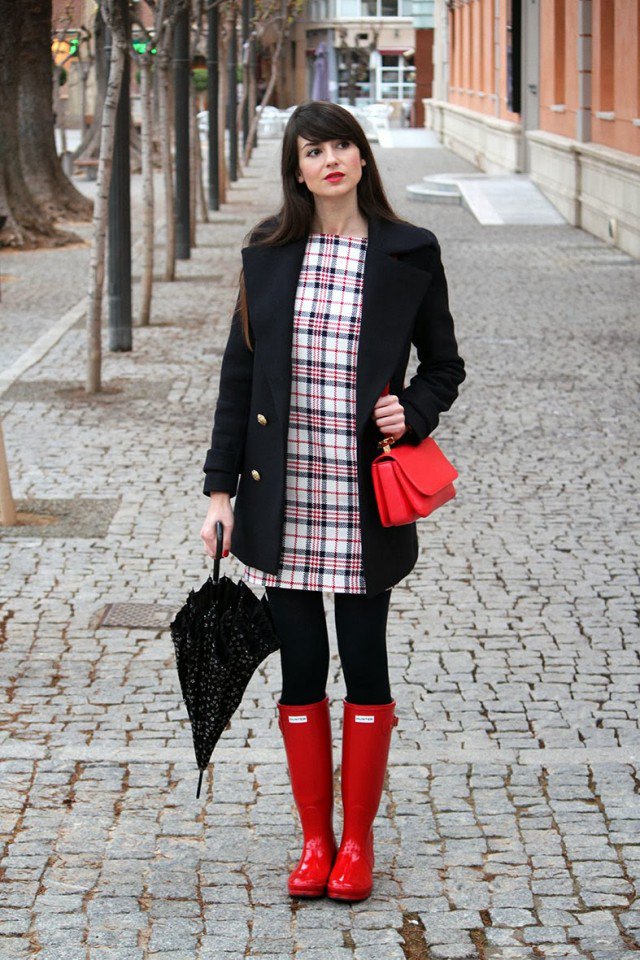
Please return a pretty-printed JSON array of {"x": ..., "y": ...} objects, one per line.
[{"x": 321, "y": 546}]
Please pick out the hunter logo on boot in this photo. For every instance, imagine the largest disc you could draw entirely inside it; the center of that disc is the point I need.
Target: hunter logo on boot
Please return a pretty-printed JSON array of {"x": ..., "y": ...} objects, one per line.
[
  {"x": 364, "y": 718},
  {"x": 300, "y": 719}
]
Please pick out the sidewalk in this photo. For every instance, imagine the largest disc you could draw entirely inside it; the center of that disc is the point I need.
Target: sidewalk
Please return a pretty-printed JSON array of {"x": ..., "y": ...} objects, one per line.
[{"x": 509, "y": 827}]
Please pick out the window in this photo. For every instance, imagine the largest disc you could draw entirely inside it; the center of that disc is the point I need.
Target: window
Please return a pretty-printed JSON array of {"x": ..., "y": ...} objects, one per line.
[
  {"x": 559, "y": 18},
  {"x": 318, "y": 10},
  {"x": 607, "y": 55},
  {"x": 373, "y": 8},
  {"x": 348, "y": 8},
  {"x": 397, "y": 78}
]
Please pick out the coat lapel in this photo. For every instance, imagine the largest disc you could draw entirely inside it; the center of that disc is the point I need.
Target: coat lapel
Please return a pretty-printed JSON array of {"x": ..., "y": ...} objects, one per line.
[{"x": 392, "y": 292}]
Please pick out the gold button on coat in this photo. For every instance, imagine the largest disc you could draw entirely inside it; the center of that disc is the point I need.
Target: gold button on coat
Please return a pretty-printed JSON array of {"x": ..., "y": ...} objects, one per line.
[
  {"x": 255, "y": 474},
  {"x": 262, "y": 419}
]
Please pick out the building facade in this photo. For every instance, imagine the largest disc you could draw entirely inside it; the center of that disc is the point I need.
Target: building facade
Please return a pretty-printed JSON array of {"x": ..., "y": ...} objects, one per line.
[
  {"x": 366, "y": 47},
  {"x": 550, "y": 88}
]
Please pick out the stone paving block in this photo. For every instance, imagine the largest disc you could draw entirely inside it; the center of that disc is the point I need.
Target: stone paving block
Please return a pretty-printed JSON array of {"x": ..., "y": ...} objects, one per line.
[{"x": 15, "y": 948}]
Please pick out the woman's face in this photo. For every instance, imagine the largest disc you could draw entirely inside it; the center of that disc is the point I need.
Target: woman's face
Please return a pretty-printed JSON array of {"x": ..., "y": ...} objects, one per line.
[{"x": 317, "y": 161}]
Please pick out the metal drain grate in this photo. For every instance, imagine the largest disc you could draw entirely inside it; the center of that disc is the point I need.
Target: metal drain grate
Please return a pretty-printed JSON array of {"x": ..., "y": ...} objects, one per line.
[{"x": 154, "y": 616}]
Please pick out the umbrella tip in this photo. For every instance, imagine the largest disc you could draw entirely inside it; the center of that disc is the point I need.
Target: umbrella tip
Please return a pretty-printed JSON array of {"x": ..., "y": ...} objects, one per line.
[{"x": 199, "y": 784}]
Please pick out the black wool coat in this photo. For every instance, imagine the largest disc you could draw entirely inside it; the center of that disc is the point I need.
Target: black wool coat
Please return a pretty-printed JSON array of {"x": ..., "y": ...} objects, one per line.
[{"x": 405, "y": 301}]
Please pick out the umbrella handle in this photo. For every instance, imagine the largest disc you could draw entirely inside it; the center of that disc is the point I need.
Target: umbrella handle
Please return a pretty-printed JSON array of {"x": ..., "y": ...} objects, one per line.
[{"x": 216, "y": 562}]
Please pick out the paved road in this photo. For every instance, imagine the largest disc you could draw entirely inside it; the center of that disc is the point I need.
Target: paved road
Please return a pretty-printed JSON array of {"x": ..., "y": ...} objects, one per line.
[{"x": 509, "y": 827}]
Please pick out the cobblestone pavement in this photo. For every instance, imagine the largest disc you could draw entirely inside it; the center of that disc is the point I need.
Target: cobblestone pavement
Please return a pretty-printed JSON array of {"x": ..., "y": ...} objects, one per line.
[
  {"x": 39, "y": 286},
  {"x": 509, "y": 825}
]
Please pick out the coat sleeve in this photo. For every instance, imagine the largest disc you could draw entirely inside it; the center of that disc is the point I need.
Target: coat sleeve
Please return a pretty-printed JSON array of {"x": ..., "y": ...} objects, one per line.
[
  {"x": 224, "y": 458},
  {"x": 441, "y": 369}
]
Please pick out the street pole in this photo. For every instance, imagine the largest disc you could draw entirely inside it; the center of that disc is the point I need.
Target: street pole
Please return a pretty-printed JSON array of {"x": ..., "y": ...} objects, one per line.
[
  {"x": 181, "y": 78},
  {"x": 212, "y": 96},
  {"x": 119, "y": 255},
  {"x": 233, "y": 100}
]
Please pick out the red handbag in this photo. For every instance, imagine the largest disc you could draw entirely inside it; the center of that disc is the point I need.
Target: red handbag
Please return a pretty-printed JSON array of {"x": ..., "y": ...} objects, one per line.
[{"x": 411, "y": 481}]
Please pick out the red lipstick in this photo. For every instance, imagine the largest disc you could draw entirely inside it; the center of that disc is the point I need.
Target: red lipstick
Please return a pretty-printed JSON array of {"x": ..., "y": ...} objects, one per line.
[{"x": 334, "y": 177}]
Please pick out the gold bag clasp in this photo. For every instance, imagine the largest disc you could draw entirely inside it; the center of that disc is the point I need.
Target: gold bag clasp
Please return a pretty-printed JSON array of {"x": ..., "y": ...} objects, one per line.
[{"x": 385, "y": 443}]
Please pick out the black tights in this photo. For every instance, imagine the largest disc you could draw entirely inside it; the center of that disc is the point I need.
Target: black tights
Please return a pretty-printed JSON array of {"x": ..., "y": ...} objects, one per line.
[{"x": 361, "y": 624}]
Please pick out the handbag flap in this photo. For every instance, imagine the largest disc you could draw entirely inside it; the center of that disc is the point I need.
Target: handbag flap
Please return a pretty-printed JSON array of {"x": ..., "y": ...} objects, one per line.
[{"x": 425, "y": 465}]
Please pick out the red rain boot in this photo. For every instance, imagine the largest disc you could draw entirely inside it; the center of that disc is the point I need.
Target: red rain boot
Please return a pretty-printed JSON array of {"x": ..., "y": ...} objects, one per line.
[
  {"x": 306, "y": 731},
  {"x": 366, "y": 736}
]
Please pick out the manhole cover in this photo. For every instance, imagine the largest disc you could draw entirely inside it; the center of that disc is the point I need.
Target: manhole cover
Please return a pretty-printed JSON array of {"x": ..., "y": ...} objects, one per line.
[{"x": 154, "y": 616}]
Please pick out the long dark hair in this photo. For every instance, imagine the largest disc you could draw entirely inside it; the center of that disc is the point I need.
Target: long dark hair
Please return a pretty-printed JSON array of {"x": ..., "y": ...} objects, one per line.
[{"x": 314, "y": 120}]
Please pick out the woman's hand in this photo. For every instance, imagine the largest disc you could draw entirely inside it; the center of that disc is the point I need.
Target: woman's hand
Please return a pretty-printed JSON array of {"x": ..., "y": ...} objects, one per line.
[
  {"x": 388, "y": 415},
  {"x": 219, "y": 509}
]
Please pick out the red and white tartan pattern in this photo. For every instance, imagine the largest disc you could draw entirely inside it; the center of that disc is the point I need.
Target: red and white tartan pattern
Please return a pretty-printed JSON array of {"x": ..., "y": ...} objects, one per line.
[{"x": 321, "y": 546}]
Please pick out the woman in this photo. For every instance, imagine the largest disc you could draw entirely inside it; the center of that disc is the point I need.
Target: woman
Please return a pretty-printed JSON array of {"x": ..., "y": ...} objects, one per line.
[{"x": 334, "y": 289}]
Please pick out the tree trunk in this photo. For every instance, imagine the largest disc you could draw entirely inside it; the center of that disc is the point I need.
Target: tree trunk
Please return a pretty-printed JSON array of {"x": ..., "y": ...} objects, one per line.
[
  {"x": 41, "y": 165},
  {"x": 27, "y": 224},
  {"x": 148, "y": 214},
  {"x": 223, "y": 98},
  {"x": 199, "y": 167},
  {"x": 194, "y": 147},
  {"x": 100, "y": 219},
  {"x": 60, "y": 111},
  {"x": 275, "y": 65},
  {"x": 8, "y": 513},
  {"x": 252, "y": 95},
  {"x": 90, "y": 146},
  {"x": 83, "y": 76},
  {"x": 164, "y": 64}
]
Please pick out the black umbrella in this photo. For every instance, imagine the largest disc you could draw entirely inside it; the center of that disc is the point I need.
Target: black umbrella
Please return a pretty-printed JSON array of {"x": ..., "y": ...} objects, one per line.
[{"x": 221, "y": 635}]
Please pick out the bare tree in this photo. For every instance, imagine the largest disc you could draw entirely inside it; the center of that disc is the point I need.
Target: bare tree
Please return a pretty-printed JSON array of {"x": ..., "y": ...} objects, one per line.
[
  {"x": 165, "y": 13},
  {"x": 8, "y": 513},
  {"x": 85, "y": 59},
  {"x": 90, "y": 146},
  {"x": 144, "y": 60},
  {"x": 197, "y": 194},
  {"x": 275, "y": 15},
  {"x": 223, "y": 97},
  {"x": 111, "y": 12},
  {"x": 357, "y": 59}
]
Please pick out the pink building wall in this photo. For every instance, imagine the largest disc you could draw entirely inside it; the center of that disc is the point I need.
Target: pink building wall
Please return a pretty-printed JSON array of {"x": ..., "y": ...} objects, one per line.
[{"x": 615, "y": 66}]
